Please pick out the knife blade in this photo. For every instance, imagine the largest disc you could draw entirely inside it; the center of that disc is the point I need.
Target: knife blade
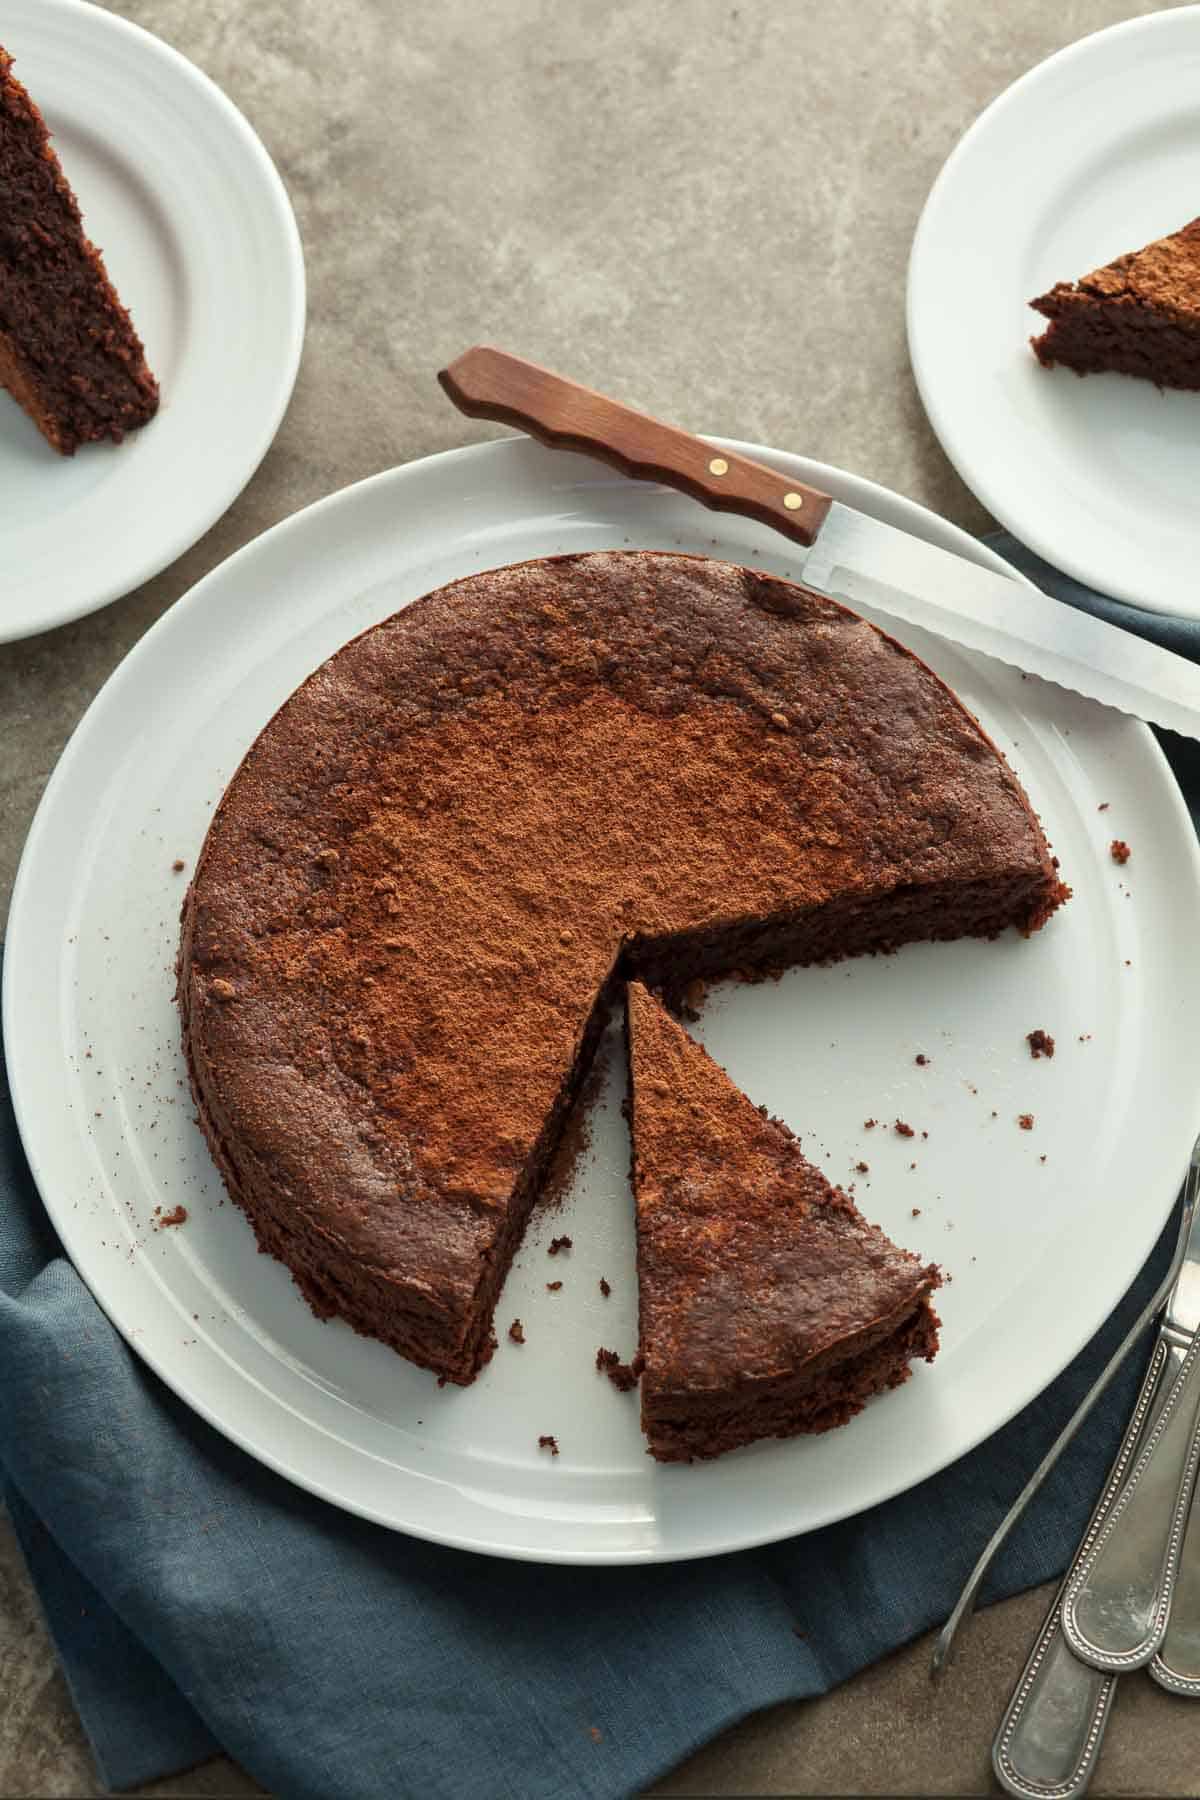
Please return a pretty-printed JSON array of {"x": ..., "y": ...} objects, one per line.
[
  {"x": 1116, "y": 1606},
  {"x": 851, "y": 556}
]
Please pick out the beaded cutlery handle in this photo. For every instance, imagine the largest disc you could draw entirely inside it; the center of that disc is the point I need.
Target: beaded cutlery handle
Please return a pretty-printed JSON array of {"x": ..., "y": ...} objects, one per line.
[
  {"x": 1176, "y": 1666},
  {"x": 489, "y": 384},
  {"x": 1117, "y": 1603},
  {"x": 1048, "y": 1740}
]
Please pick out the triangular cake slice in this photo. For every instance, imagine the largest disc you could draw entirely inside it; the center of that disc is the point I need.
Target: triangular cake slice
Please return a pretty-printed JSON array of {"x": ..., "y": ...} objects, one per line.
[
  {"x": 68, "y": 351},
  {"x": 768, "y": 1305},
  {"x": 1139, "y": 315}
]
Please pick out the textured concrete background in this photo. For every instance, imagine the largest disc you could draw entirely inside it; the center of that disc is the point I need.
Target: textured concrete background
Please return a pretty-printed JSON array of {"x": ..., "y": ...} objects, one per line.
[{"x": 704, "y": 208}]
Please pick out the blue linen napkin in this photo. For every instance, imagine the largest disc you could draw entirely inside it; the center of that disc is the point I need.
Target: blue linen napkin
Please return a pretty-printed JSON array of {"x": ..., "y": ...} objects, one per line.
[{"x": 199, "y": 1601}]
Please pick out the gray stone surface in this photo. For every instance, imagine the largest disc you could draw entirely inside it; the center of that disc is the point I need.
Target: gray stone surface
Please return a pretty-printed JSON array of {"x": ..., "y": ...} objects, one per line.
[{"x": 705, "y": 209}]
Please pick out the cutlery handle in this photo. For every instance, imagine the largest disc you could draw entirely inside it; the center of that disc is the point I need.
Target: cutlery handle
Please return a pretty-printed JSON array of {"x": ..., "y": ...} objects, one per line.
[
  {"x": 1048, "y": 1740},
  {"x": 1176, "y": 1666},
  {"x": 1117, "y": 1603},
  {"x": 489, "y": 384}
]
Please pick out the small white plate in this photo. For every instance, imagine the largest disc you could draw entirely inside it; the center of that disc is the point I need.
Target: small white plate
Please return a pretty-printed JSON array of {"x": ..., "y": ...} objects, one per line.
[
  {"x": 1093, "y": 153},
  {"x": 199, "y": 239},
  {"x": 1039, "y": 1251}
]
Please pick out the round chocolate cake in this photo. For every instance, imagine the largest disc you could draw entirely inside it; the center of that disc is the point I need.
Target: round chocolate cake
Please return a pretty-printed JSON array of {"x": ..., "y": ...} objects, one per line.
[{"x": 447, "y": 851}]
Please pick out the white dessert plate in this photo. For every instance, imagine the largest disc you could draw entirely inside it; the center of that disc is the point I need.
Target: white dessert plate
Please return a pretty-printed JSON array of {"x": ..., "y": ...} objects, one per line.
[
  {"x": 1092, "y": 153},
  {"x": 1039, "y": 1250},
  {"x": 200, "y": 241}
]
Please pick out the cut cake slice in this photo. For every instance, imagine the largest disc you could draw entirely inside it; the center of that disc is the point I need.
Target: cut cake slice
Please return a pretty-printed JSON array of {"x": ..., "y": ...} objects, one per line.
[
  {"x": 68, "y": 351},
  {"x": 768, "y": 1305},
  {"x": 1139, "y": 315}
]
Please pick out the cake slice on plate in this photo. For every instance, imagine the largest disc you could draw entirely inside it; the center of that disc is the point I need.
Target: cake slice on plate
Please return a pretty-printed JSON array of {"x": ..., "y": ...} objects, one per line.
[
  {"x": 1139, "y": 315},
  {"x": 768, "y": 1305},
  {"x": 68, "y": 351}
]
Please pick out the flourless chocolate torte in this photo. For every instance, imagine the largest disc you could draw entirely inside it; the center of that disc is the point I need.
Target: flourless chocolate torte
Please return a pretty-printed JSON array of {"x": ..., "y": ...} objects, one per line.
[
  {"x": 768, "y": 1306},
  {"x": 435, "y": 868},
  {"x": 1139, "y": 315},
  {"x": 68, "y": 351}
]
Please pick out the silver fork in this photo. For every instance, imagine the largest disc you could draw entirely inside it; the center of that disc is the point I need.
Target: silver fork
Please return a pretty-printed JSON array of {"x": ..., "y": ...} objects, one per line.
[
  {"x": 964, "y": 1606},
  {"x": 1049, "y": 1737}
]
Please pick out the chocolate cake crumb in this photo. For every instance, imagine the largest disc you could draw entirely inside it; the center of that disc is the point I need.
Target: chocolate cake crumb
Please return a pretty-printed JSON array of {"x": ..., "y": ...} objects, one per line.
[
  {"x": 1103, "y": 806},
  {"x": 596, "y": 1735},
  {"x": 516, "y": 1332},
  {"x": 548, "y": 1443},
  {"x": 1025, "y": 1121},
  {"x": 903, "y": 1130},
  {"x": 862, "y": 1168},
  {"x": 557, "y": 1244},
  {"x": 552, "y": 1287},
  {"x": 1040, "y": 1043},
  {"x": 921, "y": 1060},
  {"x": 604, "y": 1288},
  {"x": 916, "y": 1212},
  {"x": 870, "y": 1124},
  {"x": 1119, "y": 850},
  {"x": 1041, "y": 1159},
  {"x": 924, "y": 1134},
  {"x": 177, "y": 1216},
  {"x": 178, "y": 865},
  {"x": 624, "y": 1376}
]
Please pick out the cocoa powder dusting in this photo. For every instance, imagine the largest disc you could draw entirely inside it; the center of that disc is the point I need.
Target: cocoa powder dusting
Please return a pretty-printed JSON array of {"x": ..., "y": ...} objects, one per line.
[{"x": 427, "y": 868}]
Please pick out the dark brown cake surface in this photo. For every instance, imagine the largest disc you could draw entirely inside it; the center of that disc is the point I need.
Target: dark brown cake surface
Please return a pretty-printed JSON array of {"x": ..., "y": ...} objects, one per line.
[
  {"x": 768, "y": 1305},
  {"x": 430, "y": 873},
  {"x": 1138, "y": 315},
  {"x": 68, "y": 351}
]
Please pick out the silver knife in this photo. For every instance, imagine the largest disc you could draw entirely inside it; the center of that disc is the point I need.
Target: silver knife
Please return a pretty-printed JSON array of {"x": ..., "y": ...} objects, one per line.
[
  {"x": 851, "y": 556},
  {"x": 1118, "y": 1600}
]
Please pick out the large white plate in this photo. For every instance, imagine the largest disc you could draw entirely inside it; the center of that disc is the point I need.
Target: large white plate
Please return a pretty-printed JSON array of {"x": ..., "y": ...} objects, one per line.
[
  {"x": 1039, "y": 1251},
  {"x": 200, "y": 241},
  {"x": 1094, "y": 152}
]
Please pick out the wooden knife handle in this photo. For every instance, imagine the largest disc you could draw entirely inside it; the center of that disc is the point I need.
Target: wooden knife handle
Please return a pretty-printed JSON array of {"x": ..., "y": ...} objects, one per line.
[{"x": 489, "y": 384}]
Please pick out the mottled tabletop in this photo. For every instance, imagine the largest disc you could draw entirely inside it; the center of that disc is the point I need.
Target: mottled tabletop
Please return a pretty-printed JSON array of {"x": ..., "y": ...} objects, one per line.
[{"x": 704, "y": 208}]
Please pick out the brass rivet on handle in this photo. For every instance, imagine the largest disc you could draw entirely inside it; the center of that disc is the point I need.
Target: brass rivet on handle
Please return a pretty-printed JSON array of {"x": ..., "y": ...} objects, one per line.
[
  {"x": 718, "y": 466},
  {"x": 793, "y": 502}
]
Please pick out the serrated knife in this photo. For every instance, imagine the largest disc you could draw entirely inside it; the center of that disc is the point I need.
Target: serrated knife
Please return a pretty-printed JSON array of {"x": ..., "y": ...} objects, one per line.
[{"x": 851, "y": 556}]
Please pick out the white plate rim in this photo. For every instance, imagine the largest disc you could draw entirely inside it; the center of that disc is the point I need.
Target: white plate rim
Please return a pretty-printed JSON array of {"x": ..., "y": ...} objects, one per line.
[
  {"x": 21, "y": 956},
  {"x": 1068, "y": 554},
  {"x": 147, "y": 555}
]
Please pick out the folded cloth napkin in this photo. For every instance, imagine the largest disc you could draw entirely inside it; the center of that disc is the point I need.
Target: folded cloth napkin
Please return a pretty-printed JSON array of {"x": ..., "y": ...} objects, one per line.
[{"x": 199, "y": 1601}]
